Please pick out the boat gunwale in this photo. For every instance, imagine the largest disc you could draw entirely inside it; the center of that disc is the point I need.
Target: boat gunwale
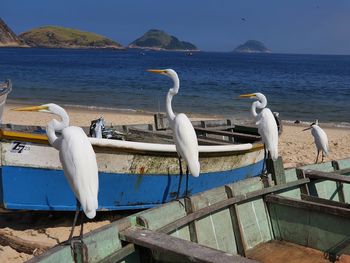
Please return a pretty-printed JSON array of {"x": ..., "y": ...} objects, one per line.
[{"x": 105, "y": 145}]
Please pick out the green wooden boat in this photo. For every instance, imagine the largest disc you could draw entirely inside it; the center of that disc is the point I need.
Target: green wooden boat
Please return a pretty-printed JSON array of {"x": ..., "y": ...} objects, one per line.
[{"x": 305, "y": 208}]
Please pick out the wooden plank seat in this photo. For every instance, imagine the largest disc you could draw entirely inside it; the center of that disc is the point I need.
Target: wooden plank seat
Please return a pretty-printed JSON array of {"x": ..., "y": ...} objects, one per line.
[{"x": 168, "y": 244}]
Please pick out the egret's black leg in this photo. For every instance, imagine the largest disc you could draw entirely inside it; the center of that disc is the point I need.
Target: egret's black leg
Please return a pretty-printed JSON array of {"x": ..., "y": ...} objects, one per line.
[
  {"x": 318, "y": 153},
  {"x": 81, "y": 226},
  {"x": 186, "y": 193},
  {"x": 78, "y": 246},
  {"x": 264, "y": 162},
  {"x": 322, "y": 157},
  {"x": 74, "y": 222},
  {"x": 180, "y": 180}
]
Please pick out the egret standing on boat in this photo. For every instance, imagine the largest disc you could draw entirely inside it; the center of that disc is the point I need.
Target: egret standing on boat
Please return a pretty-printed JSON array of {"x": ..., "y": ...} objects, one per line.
[
  {"x": 321, "y": 139},
  {"x": 184, "y": 135},
  {"x": 78, "y": 160},
  {"x": 267, "y": 126}
]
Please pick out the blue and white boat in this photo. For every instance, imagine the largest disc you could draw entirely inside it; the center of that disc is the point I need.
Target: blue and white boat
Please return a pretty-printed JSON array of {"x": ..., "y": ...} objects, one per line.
[{"x": 138, "y": 171}]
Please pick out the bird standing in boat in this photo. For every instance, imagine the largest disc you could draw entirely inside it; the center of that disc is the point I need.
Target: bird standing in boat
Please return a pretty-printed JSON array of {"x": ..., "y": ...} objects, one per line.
[
  {"x": 267, "y": 126},
  {"x": 78, "y": 160},
  {"x": 321, "y": 139},
  {"x": 184, "y": 135}
]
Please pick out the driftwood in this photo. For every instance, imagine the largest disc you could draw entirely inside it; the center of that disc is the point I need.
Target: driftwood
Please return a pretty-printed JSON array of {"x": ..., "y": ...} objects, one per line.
[{"x": 22, "y": 245}]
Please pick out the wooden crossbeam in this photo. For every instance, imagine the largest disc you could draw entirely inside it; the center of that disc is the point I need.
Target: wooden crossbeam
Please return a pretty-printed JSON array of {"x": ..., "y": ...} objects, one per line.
[
  {"x": 324, "y": 201},
  {"x": 342, "y": 171},
  {"x": 168, "y": 244},
  {"x": 321, "y": 208},
  {"x": 312, "y": 174},
  {"x": 238, "y": 135},
  {"x": 169, "y": 137}
]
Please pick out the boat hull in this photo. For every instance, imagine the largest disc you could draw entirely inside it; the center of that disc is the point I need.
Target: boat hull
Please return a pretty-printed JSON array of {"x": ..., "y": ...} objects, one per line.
[{"x": 32, "y": 179}]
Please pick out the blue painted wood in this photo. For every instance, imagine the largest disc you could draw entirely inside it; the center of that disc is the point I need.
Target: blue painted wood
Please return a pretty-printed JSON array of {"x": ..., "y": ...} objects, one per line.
[{"x": 44, "y": 189}]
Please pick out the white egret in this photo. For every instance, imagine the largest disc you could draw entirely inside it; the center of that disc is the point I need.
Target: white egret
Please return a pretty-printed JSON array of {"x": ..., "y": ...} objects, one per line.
[
  {"x": 78, "y": 160},
  {"x": 321, "y": 139},
  {"x": 266, "y": 122},
  {"x": 184, "y": 135}
]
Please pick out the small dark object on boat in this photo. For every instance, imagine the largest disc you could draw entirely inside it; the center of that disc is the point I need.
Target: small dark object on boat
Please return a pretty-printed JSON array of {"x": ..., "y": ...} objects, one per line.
[
  {"x": 96, "y": 128},
  {"x": 278, "y": 121}
]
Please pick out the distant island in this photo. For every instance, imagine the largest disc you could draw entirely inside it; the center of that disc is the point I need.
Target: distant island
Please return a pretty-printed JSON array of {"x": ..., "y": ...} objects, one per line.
[
  {"x": 61, "y": 37},
  {"x": 252, "y": 46},
  {"x": 159, "y": 40}
]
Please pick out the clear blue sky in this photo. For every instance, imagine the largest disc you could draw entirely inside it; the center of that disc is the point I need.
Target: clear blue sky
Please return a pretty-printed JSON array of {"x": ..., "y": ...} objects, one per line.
[{"x": 298, "y": 26}]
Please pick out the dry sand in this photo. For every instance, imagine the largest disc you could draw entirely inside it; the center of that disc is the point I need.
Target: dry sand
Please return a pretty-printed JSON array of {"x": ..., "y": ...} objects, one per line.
[{"x": 296, "y": 147}]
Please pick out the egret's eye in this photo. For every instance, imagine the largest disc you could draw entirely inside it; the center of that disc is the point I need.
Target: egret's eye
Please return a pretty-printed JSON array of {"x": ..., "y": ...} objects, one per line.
[{"x": 165, "y": 71}]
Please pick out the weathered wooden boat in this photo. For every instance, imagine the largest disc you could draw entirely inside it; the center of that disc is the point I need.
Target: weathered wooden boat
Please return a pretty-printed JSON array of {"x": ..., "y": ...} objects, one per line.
[
  {"x": 132, "y": 174},
  {"x": 245, "y": 221}
]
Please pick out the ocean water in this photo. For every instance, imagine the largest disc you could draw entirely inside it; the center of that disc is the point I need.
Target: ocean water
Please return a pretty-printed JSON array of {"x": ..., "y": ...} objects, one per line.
[{"x": 303, "y": 87}]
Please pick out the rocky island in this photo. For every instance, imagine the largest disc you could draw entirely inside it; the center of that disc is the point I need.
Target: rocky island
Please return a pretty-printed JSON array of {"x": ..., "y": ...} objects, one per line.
[
  {"x": 159, "y": 40},
  {"x": 252, "y": 46},
  {"x": 60, "y": 37},
  {"x": 8, "y": 38}
]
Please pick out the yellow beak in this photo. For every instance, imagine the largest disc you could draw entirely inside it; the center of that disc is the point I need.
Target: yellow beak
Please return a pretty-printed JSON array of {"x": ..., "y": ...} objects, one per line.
[
  {"x": 32, "y": 108},
  {"x": 158, "y": 71},
  {"x": 247, "y": 95}
]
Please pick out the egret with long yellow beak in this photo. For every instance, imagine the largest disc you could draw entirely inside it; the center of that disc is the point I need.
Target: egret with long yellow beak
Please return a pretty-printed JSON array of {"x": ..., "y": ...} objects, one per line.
[
  {"x": 78, "y": 160},
  {"x": 267, "y": 126},
  {"x": 184, "y": 135}
]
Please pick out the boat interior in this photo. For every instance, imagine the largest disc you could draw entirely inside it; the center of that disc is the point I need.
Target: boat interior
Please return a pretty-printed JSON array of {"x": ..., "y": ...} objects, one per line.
[
  {"x": 296, "y": 215},
  {"x": 209, "y": 132}
]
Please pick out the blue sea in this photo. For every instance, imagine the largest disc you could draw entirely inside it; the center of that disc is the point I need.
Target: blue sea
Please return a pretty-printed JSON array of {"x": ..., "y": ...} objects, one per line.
[{"x": 299, "y": 87}]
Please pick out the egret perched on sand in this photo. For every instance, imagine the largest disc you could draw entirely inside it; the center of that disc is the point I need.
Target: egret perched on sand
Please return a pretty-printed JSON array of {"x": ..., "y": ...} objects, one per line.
[
  {"x": 78, "y": 160},
  {"x": 184, "y": 135},
  {"x": 321, "y": 139},
  {"x": 267, "y": 126}
]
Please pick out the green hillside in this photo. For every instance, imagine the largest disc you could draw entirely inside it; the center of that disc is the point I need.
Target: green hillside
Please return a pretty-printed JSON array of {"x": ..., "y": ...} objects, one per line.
[
  {"x": 157, "y": 39},
  {"x": 60, "y": 37}
]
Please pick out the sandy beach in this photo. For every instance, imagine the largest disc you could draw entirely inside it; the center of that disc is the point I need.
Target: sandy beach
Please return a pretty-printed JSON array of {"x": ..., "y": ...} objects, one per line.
[{"x": 296, "y": 148}]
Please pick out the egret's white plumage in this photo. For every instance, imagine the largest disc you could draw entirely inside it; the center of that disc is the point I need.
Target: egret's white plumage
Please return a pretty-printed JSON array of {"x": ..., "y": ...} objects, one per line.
[
  {"x": 321, "y": 139},
  {"x": 266, "y": 122},
  {"x": 76, "y": 155},
  {"x": 184, "y": 135},
  {"x": 185, "y": 139},
  {"x": 79, "y": 164}
]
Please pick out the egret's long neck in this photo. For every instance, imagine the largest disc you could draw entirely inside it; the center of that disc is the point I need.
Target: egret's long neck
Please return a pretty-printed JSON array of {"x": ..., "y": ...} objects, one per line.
[
  {"x": 173, "y": 91},
  {"x": 259, "y": 104},
  {"x": 54, "y": 126}
]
